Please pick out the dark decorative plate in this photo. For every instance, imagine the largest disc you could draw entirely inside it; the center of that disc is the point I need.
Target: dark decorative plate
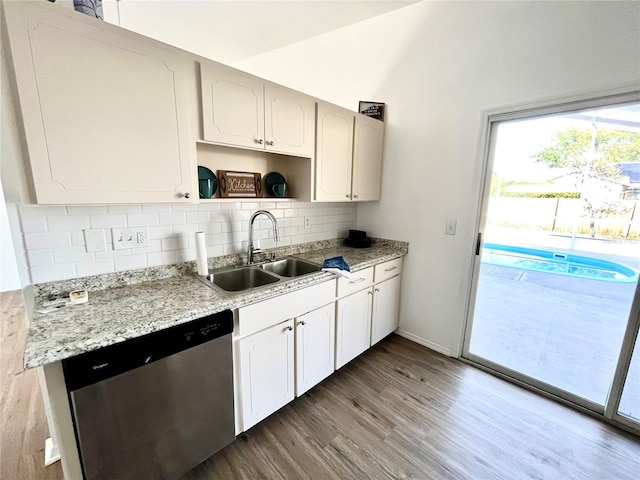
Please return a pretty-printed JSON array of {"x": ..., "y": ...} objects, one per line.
[
  {"x": 271, "y": 179},
  {"x": 207, "y": 182}
]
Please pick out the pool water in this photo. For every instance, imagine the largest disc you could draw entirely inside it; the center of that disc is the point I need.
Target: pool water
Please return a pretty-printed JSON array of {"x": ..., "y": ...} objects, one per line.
[{"x": 559, "y": 263}]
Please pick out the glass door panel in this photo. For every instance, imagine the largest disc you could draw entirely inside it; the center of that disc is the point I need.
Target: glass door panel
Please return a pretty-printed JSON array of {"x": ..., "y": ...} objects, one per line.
[{"x": 558, "y": 265}]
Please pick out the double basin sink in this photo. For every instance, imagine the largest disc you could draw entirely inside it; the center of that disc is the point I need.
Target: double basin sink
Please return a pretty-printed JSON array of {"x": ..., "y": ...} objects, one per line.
[{"x": 240, "y": 279}]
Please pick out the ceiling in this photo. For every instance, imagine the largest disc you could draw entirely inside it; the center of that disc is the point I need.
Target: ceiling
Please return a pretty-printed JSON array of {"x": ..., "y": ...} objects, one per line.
[{"x": 230, "y": 31}]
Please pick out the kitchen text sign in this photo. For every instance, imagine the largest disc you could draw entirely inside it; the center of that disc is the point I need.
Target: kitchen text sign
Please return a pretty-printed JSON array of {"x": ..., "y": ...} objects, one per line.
[{"x": 239, "y": 184}]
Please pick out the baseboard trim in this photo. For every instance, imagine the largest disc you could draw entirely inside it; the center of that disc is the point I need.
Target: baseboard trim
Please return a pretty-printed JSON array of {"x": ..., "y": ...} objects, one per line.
[
  {"x": 51, "y": 452},
  {"x": 424, "y": 342}
]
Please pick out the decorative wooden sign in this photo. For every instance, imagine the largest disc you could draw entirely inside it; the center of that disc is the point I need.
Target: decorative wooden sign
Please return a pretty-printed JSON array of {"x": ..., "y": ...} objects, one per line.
[
  {"x": 372, "y": 109},
  {"x": 239, "y": 184}
]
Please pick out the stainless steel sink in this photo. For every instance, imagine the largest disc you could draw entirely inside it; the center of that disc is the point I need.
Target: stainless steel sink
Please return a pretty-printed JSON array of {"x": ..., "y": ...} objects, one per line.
[
  {"x": 240, "y": 279},
  {"x": 290, "y": 267}
]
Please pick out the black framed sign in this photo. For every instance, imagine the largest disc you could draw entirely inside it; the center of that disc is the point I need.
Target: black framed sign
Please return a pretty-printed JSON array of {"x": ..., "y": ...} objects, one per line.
[{"x": 372, "y": 109}]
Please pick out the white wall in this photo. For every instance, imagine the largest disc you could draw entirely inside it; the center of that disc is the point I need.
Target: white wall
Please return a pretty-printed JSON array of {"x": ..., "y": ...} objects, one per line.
[
  {"x": 9, "y": 277},
  {"x": 438, "y": 65}
]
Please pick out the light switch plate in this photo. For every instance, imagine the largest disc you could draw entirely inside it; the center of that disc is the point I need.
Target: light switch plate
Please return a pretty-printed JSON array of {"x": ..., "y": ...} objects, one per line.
[
  {"x": 450, "y": 228},
  {"x": 136, "y": 237}
]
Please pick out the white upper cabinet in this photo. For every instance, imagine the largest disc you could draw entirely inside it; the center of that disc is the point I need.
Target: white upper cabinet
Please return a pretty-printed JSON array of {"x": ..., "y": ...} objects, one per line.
[
  {"x": 105, "y": 112},
  {"x": 241, "y": 110},
  {"x": 232, "y": 107},
  {"x": 348, "y": 155},
  {"x": 334, "y": 153},
  {"x": 367, "y": 158},
  {"x": 289, "y": 121}
]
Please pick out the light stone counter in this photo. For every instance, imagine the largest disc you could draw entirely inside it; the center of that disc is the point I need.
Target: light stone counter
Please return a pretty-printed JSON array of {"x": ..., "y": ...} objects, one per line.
[{"x": 149, "y": 301}]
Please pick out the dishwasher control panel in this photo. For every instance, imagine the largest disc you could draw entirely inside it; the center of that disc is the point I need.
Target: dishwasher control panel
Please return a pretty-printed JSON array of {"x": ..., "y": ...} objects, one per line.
[{"x": 92, "y": 367}]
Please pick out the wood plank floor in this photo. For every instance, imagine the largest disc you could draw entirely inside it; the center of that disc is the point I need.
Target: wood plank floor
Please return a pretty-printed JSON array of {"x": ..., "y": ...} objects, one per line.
[
  {"x": 24, "y": 425},
  {"x": 398, "y": 411}
]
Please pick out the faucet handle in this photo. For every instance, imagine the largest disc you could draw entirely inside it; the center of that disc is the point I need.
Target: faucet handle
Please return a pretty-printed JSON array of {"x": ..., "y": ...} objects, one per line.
[{"x": 273, "y": 256}]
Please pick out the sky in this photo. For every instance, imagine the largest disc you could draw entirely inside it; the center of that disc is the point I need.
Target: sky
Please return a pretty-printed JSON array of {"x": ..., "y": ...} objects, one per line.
[{"x": 519, "y": 140}]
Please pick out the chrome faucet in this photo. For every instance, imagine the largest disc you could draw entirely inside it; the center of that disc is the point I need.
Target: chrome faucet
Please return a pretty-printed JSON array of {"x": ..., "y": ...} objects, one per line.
[{"x": 250, "y": 250}]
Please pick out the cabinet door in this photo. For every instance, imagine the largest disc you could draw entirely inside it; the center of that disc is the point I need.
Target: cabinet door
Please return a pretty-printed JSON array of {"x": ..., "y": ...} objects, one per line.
[
  {"x": 367, "y": 158},
  {"x": 266, "y": 372},
  {"x": 334, "y": 149},
  {"x": 105, "y": 112},
  {"x": 386, "y": 301},
  {"x": 315, "y": 347},
  {"x": 353, "y": 326},
  {"x": 232, "y": 107},
  {"x": 289, "y": 121}
]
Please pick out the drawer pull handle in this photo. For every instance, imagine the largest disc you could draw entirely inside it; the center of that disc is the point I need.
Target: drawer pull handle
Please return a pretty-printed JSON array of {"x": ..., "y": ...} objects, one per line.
[
  {"x": 390, "y": 269},
  {"x": 377, "y": 289},
  {"x": 357, "y": 281}
]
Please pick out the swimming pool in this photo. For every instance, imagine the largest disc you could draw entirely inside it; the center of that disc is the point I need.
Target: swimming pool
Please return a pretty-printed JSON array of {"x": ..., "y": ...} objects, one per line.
[{"x": 559, "y": 263}]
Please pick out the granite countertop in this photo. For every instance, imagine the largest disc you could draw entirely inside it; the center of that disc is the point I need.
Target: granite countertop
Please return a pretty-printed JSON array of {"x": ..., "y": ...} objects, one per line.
[{"x": 117, "y": 313}]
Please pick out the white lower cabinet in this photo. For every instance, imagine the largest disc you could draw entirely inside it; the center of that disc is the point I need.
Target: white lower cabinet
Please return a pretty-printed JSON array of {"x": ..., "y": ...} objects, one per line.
[
  {"x": 315, "y": 344},
  {"x": 386, "y": 301},
  {"x": 353, "y": 326},
  {"x": 287, "y": 344},
  {"x": 266, "y": 361}
]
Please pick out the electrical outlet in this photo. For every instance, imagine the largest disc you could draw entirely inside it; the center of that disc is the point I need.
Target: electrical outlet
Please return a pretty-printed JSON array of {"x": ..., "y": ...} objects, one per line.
[
  {"x": 307, "y": 222},
  {"x": 136, "y": 237}
]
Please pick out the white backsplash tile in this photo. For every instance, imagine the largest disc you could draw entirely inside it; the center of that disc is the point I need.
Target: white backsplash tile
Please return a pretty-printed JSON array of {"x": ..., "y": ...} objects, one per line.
[
  {"x": 108, "y": 221},
  {"x": 34, "y": 224},
  {"x": 51, "y": 273},
  {"x": 95, "y": 267},
  {"x": 34, "y": 241},
  {"x": 130, "y": 262},
  {"x": 55, "y": 247},
  {"x": 142, "y": 219},
  {"x": 68, "y": 223}
]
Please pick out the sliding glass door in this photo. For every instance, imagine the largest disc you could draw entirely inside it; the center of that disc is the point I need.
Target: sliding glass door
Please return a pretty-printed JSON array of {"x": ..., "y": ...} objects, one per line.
[{"x": 558, "y": 255}]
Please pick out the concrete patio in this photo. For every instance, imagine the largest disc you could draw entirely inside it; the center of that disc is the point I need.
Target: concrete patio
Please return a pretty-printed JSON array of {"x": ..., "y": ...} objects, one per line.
[{"x": 562, "y": 330}]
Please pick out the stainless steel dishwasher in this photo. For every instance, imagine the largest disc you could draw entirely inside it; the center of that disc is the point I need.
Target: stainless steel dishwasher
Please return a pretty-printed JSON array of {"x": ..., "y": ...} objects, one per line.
[{"x": 155, "y": 406}]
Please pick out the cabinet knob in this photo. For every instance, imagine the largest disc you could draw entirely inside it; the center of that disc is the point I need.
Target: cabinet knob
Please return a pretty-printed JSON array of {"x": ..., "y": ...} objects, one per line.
[
  {"x": 377, "y": 289},
  {"x": 187, "y": 195},
  {"x": 370, "y": 292},
  {"x": 288, "y": 329},
  {"x": 259, "y": 141},
  {"x": 348, "y": 196},
  {"x": 270, "y": 143},
  {"x": 302, "y": 322},
  {"x": 355, "y": 196}
]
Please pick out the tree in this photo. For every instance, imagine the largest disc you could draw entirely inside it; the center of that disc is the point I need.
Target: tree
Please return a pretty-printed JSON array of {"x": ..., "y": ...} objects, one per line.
[{"x": 570, "y": 149}]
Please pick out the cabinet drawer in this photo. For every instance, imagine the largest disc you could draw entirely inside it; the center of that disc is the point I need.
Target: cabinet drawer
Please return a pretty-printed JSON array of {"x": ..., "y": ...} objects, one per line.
[
  {"x": 388, "y": 269},
  {"x": 359, "y": 280},
  {"x": 258, "y": 316}
]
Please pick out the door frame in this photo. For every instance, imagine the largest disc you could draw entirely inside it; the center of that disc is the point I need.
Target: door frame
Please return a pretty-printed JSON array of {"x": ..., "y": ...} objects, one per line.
[{"x": 490, "y": 118}]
